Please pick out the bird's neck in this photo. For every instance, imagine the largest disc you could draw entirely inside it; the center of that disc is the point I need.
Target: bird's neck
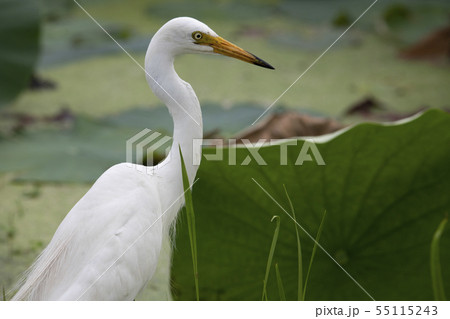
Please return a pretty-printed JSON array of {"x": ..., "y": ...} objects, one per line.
[{"x": 185, "y": 110}]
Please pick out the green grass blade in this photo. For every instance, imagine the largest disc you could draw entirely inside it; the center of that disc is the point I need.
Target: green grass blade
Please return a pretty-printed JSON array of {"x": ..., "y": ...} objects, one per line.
[
  {"x": 299, "y": 249},
  {"x": 4, "y": 293},
  {"x": 271, "y": 252},
  {"x": 280, "y": 284},
  {"x": 435, "y": 263},
  {"x": 264, "y": 295},
  {"x": 191, "y": 222},
  {"x": 319, "y": 232}
]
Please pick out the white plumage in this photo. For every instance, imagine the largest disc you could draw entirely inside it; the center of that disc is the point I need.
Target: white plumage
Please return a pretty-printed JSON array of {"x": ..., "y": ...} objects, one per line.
[{"x": 107, "y": 247}]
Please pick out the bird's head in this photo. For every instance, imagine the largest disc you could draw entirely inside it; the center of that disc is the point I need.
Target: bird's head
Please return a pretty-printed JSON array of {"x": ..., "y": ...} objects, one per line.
[{"x": 188, "y": 35}]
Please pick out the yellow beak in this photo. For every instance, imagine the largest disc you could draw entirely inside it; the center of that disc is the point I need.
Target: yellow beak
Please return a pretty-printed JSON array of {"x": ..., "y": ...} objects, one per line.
[{"x": 224, "y": 47}]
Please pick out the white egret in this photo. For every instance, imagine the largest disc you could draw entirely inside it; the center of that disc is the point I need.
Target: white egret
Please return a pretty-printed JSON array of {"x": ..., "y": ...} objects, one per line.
[{"x": 107, "y": 247}]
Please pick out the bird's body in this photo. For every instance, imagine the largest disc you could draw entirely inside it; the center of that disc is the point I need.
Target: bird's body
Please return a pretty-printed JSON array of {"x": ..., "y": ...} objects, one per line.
[
  {"x": 98, "y": 229},
  {"x": 107, "y": 247}
]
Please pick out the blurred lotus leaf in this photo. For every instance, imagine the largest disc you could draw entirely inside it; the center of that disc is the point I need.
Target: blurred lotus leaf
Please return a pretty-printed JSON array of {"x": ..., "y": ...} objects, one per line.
[{"x": 19, "y": 38}]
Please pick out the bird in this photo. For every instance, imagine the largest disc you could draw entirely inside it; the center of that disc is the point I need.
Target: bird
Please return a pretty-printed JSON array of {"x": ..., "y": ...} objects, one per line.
[{"x": 107, "y": 246}]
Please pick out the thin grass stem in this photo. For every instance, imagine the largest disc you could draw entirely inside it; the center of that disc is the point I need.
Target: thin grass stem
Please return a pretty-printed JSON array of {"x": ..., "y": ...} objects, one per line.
[
  {"x": 271, "y": 252},
  {"x": 435, "y": 263},
  {"x": 299, "y": 250},
  {"x": 319, "y": 232},
  {"x": 191, "y": 223},
  {"x": 280, "y": 284}
]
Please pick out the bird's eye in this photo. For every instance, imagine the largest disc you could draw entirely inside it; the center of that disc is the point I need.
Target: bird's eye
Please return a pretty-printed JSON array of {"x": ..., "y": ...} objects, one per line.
[{"x": 197, "y": 35}]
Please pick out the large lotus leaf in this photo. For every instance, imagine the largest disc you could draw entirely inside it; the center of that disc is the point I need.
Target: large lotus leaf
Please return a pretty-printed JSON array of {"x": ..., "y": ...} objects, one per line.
[
  {"x": 80, "y": 154},
  {"x": 79, "y": 38},
  {"x": 19, "y": 38},
  {"x": 385, "y": 189},
  {"x": 215, "y": 118}
]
